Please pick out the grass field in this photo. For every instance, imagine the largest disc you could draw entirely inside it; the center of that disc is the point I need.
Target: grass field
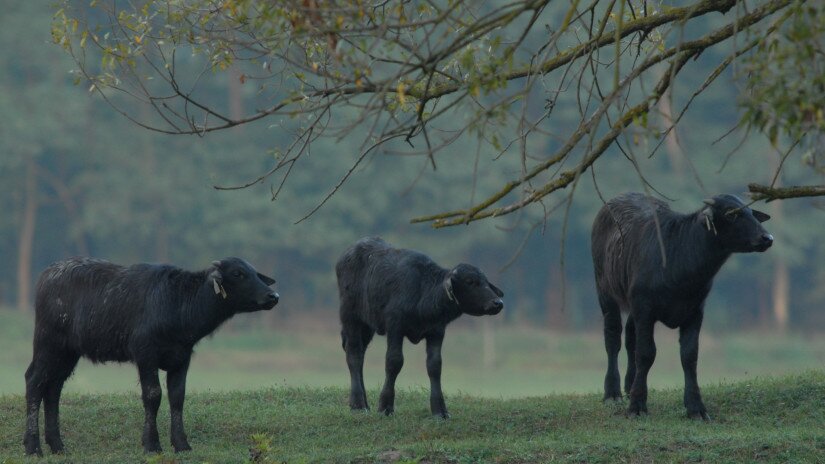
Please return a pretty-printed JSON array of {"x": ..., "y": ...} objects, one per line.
[
  {"x": 528, "y": 361},
  {"x": 764, "y": 420}
]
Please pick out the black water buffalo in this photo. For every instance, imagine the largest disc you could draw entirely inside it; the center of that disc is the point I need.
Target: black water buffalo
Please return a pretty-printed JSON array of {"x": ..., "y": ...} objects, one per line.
[
  {"x": 658, "y": 265},
  {"x": 151, "y": 315},
  {"x": 403, "y": 293}
]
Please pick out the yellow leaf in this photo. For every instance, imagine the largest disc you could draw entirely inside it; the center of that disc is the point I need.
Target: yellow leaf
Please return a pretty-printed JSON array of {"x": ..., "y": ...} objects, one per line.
[
  {"x": 402, "y": 98},
  {"x": 138, "y": 39}
]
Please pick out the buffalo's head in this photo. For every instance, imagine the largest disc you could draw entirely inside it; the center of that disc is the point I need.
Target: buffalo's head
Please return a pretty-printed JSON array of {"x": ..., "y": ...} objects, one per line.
[
  {"x": 737, "y": 227},
  {"x": 469, "y": 288},
  {"x": 237, "y": 282}
]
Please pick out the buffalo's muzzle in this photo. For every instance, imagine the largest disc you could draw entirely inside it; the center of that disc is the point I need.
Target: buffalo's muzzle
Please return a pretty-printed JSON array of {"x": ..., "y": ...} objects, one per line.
[
  {"x": 764, "y": 242},
  {"x": 270, "y": 300},
  {"x": 494, "y": 307}
]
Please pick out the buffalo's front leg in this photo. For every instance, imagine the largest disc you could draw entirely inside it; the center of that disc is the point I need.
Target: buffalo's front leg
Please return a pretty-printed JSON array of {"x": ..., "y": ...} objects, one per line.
[
  {"x": 394, "y": 362},
  {"x": 689, "y": 351},
  {"x": 151, "y": 395},
  {"x": 437, "y": 405},
  {"x": 645, "y": 355},
  {"x": 176, "y": 386}
]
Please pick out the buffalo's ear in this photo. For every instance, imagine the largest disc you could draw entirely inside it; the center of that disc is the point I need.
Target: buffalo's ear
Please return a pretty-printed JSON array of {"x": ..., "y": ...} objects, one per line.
[
  {"x": 760, "y": 216},
  {"x": 266, "y": 279},
  {"x": 448, "y": 287},
  {"x": 217, "y": 279},
  {"x": 497, "y": 291}
]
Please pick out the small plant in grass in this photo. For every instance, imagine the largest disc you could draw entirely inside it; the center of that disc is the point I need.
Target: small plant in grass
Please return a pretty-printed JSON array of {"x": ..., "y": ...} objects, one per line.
[{"x": 260, "y": 449}]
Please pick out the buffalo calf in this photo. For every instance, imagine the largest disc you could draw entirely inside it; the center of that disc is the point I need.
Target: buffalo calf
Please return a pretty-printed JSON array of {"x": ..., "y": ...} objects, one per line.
[
  {"x": 150, "y": 315},
  {"x": 403, "y": 293},
  {"x": 658, "y": 265}
]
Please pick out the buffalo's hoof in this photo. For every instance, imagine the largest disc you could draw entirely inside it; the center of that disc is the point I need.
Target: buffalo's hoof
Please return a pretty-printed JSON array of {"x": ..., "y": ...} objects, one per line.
[
  {"x": 441, "y": 415},
  {"x": 186, "y": 447},
  {"x": 699, "y": 415},
  {"x": 55, "y": 445},
  {"x": 612, "y": 398},
  {"x": 637, "y": 411},
  {"x": 387, "y": 411},
  {"x": 32, "y": 444},
  {"x": 152, "y": 449}
]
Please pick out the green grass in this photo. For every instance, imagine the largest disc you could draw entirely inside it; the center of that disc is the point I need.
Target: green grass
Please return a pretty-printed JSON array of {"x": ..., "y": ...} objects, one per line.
[
  {"x": 528, "y": 361},
  {"x": 776, "y": 419}
]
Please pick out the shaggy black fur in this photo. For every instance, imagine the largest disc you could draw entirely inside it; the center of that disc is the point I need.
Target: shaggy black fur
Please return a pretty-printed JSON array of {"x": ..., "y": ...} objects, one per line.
[
  {"x": 631, "y": 276},
  {"x": 403, "y": 293},
  {"x": 151, "y": 315}
]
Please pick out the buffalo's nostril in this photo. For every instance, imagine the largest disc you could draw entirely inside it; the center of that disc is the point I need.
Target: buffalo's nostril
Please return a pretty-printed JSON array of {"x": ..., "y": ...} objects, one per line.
[
  {"x": 767, "y": 238},
  {"x": 272, "y": 296}
]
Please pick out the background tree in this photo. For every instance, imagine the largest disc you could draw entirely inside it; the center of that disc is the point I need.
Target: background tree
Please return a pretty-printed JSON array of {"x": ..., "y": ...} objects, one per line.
[
  {"x": 107, "y": 188},
  {"x": 418, "y": 77}
]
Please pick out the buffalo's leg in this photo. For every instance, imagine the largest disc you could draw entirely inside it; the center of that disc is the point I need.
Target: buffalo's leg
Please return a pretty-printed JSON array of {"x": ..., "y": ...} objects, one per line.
[
  {"x": 689, "y": 351},
  {"x": 355, "y": 337},
  {"x": 612, "y": 344},
  {"x": 394, "y": 363},
  {"x": 437, "y": 406},
  {"x": 36, "y": 377},
  {"x": 151, "y": 395},
  {"x": 645, "y": 355},
  {"x": 176, "y": 387},
  {"x": 51, "y": 400},
  {"x": 630, "y": 347}
]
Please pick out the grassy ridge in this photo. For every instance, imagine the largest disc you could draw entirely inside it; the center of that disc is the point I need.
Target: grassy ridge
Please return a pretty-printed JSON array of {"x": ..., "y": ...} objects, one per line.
[{"x": 766, "y": 420}]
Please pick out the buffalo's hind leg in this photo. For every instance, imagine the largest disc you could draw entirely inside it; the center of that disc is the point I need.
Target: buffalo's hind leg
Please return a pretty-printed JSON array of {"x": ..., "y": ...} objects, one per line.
[
  {"x": 51, "y": 401},
  {"x": 36, "y": 376},
  {"x": 151, "y": 396},
  {"x": 355, "y": 338},
  {"x": 645, "y": 355},
  {"x": 612, "y": 344},
  {"x": 630, "y": 347}
]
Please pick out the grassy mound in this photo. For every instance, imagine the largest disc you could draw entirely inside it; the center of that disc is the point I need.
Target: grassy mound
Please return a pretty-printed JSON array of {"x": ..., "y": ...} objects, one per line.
[{"x": 767, "y": 420}]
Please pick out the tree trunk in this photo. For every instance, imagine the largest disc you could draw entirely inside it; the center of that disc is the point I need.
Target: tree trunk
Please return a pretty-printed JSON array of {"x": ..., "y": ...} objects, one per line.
[
  {"x": 489, "y": 343},
  {"x": 235, "y": 98},
  {"x": 781, "y": 278},
  {"x": 781, "y": 294},
  {"x": 674, "y": 151},
  {"x": 26, "y": 241}
]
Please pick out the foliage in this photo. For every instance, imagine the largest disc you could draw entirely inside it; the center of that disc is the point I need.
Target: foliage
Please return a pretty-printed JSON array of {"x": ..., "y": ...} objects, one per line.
[
  {"x": 772, "y": 419},
  {"x": 785, "y": 77},
  {"x": 432, "y": 75}
]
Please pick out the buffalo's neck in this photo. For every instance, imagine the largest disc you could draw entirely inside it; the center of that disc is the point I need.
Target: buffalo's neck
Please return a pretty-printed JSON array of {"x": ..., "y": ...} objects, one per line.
[
  {"x": 437, "y": 306},
  {"x": 694, "y": 256},
  {"x": 204, "y": 313}
]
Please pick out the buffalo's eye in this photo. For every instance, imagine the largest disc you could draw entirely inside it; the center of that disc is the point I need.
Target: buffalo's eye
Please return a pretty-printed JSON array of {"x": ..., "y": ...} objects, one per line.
[
  {"x": 732, "y": 214},
  {"x": 237, "y": 274},
  {"x": 469, "y": 281}
]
